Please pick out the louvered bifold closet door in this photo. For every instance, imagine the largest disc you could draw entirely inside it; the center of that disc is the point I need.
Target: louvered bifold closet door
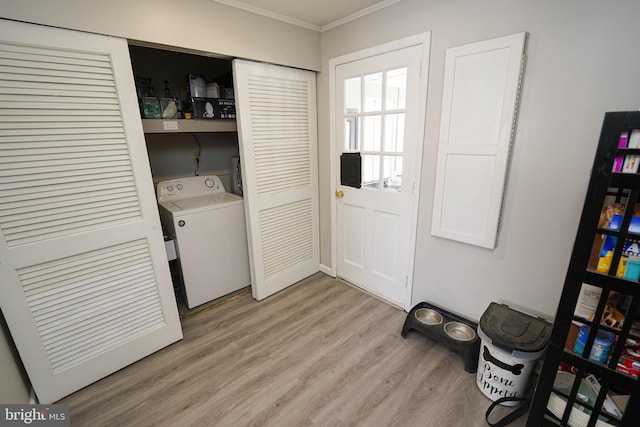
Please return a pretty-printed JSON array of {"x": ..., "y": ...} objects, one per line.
[
  {"x": 276, "y": 110},
  {"x": 84, "y": 281}
]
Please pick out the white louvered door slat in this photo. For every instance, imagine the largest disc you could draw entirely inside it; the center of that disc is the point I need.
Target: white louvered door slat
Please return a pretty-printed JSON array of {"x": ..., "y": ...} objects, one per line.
[
  {"x": 84, "y": 280},
  {"x": 278, "y": 145}
]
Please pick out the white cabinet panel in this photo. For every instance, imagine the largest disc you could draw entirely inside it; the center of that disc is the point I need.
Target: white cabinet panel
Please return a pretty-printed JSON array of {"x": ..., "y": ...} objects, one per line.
[{"x": 479, "y": 106}]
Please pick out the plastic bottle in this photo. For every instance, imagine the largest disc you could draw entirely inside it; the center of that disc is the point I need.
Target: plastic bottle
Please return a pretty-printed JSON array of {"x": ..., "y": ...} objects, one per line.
[{"x": 604, "y": 263}]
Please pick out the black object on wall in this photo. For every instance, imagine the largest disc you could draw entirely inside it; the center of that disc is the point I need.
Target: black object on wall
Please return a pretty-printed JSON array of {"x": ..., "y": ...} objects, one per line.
[{"x": 351, "y": 170}]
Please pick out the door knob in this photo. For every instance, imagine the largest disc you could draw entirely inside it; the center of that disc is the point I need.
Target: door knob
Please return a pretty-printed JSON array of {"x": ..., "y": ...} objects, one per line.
[{"x": 339, "y": 194}]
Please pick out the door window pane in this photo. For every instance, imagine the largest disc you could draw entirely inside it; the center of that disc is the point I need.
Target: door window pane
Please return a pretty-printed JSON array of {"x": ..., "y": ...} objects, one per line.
[
  {"x": 351, "y": 133},
  {"x": 352, "y": 95},
  {"x": 394, "y": 132},
  {"x": 392, "y": 173},
  {"x": 396, "y": 89},
  {"x": 373, "y": 92},
  {"x": 371, "y": 171},
  {"x": 372, "y": 133}
]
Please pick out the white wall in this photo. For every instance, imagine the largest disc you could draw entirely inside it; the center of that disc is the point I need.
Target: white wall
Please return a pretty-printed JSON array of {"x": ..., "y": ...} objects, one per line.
[
  {"x": 582, "y": 61},
  {"x": 195, "y": 24},
  {"x": 171, "y": 155}
]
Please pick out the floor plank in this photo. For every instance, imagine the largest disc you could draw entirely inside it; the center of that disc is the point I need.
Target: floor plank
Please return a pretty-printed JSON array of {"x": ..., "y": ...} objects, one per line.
[{"x": 320, "y": 353}]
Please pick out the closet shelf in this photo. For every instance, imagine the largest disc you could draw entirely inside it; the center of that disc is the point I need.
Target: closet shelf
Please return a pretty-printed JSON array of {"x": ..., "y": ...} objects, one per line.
[{"x": 183, "y": 125}]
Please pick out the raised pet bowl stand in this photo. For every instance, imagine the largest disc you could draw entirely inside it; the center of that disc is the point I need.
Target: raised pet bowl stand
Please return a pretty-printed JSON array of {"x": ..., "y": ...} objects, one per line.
[{"x": 454, "y": 331}]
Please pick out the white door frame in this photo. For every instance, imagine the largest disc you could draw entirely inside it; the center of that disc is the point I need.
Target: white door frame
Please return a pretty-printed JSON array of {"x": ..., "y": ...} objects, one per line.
[{"x": 423, "y": 40}]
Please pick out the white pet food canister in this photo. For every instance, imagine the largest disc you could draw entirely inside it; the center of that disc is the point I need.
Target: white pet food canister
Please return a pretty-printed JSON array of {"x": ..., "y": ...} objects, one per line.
[{"x": 511, "y": 343}]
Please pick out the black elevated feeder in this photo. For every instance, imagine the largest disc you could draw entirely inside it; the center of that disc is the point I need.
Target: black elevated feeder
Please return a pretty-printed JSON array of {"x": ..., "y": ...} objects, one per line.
[{"x": 452, "y": 330}]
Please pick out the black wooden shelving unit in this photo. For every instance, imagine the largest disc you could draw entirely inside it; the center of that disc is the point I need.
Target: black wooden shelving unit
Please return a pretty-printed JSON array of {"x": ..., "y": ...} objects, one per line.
[{"x": 605, "y": 187}]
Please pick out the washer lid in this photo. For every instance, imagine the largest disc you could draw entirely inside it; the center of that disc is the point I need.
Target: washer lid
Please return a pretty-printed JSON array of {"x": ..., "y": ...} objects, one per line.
[
  {"x": 512, "y": 330},
  {"x": 197, "y": 203}
]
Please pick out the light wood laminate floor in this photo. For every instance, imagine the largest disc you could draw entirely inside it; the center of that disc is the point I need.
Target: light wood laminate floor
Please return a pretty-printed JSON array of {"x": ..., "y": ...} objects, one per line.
[{"x": 320, "y": 353}]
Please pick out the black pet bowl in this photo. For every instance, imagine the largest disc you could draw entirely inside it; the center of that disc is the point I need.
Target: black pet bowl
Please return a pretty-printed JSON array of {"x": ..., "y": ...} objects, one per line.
[{"x": 447, "y": 328}]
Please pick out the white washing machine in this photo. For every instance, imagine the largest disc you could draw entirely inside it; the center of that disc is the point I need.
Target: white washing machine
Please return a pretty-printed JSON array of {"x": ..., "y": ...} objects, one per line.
[{"x": 209, "y": 229}]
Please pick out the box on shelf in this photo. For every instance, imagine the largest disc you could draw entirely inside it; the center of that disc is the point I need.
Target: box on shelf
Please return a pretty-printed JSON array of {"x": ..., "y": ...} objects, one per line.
[
  {"x": 213, "y": 90},
  {"x": 150, "y": 108},
  {"x": 618, "y": 162},
  {"x": 158, "y": 108},
  {"x": 624, "y": 140},
  {"x": 144, "y": 87},
  {"x": 634, "y": 139},
  {"x": 169, "y": 108},
  {"x": 631, "y": 249},
  {"x": 195, "y": 86},
  {"x": 211, "y": 108},
  {"x": 631, "y": 163}
]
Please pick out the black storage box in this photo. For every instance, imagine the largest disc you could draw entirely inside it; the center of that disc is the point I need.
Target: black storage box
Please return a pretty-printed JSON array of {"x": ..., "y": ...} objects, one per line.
[{"x": 210, "y": 108}]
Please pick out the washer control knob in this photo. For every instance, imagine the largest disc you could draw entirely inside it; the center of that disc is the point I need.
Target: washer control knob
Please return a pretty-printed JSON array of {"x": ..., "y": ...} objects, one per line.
[
  {"x": 209, "y": 182},
  {"x": 181, "y": 223},
  {"x": 169, "y": 187},
  {"x": 180, "y": 186}
]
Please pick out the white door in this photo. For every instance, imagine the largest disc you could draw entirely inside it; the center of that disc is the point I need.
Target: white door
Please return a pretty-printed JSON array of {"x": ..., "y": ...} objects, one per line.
[
  {"x": 379, "y": 113},
  {"x": 276, "y": 111},
  {"x": 84, "y": 281}
]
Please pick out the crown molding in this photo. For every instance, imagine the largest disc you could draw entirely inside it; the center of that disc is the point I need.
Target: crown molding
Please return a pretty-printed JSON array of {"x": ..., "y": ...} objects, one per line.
[
  {"x": 304, "y": 24},
  {"x": 374, "y": 8},
  {"x": 269, "y": 14}
]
